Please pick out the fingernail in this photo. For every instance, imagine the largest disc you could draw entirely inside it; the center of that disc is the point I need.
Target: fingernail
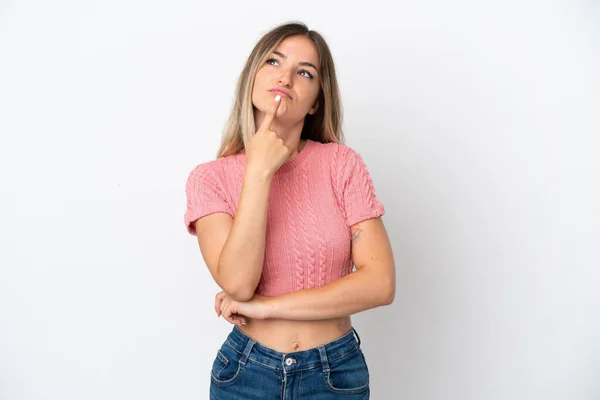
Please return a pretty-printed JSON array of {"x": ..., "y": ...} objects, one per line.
[{"x": 277, "y": 98}]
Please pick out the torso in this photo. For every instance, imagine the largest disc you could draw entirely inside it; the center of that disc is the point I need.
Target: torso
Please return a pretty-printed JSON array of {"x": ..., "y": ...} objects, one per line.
[{"x": 287, "y": 336}]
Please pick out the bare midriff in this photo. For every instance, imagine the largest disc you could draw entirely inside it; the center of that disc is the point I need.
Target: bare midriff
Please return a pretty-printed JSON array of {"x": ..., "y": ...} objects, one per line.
[{"x": 287, "y": 336}]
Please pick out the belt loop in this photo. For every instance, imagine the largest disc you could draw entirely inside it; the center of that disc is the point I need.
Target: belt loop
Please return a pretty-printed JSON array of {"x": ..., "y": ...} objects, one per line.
[
  {"x": 324, "y": 362},
  {"x": 247, "y": 350},
  {"x": 357, "y": 337}
]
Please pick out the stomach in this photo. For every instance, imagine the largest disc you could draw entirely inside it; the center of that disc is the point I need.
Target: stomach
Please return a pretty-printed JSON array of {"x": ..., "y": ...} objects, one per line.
[{"x": 288, "y": 336}]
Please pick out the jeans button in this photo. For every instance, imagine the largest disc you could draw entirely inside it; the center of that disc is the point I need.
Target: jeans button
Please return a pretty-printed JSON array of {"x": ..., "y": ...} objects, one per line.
[{"x": 288, "y": 362}]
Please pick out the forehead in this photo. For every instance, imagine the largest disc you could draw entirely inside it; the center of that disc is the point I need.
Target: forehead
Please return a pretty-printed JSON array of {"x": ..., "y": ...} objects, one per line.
[{"x": 300, "y": 48}]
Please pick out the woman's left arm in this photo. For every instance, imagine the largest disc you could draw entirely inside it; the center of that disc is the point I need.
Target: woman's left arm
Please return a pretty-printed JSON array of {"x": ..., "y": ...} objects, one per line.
[{"x": 373, "y": 284}]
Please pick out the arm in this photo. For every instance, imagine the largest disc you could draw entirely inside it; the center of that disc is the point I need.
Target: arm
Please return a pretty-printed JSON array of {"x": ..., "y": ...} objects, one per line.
[
  {"x": 233, "y": 248},
  {"x": 373, "y": 284}
]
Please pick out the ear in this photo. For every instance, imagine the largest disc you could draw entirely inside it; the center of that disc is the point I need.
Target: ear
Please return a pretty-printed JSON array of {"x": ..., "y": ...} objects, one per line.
[{"x": 314, "y": 108}]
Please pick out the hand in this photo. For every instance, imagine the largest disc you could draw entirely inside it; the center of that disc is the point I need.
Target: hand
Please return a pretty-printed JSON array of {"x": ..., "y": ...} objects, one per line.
[
  {"x": 265, "y": 150},
  {"x": 236, "y": 311},
  {"x": 223, "y": 303}
]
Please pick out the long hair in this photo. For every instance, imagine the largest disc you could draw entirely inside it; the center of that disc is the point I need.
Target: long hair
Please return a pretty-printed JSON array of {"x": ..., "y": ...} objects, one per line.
[{"x": 323, "y": 126}]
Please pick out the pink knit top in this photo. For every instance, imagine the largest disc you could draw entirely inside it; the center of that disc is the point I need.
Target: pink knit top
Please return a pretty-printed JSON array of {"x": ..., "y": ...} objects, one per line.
[{"x": 315, "y": 197}]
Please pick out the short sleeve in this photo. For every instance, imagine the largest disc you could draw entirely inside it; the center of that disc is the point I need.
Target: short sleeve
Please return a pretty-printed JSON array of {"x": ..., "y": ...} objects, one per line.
[
  {"x": 357, "y": 191},
  {"x": 204, "y": 196}
]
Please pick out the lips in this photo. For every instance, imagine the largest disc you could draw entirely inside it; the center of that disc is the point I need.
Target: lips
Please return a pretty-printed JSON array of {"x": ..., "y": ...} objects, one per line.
[{"x": 282, "y": 92}]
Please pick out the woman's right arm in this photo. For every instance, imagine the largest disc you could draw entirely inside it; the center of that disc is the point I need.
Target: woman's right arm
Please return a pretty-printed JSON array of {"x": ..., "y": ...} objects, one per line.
[{"x": 234, "y": 248}]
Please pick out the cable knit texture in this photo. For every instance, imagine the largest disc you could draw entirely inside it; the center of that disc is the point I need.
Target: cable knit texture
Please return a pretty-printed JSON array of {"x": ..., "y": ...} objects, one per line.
[{"x": 314, "y": 200}]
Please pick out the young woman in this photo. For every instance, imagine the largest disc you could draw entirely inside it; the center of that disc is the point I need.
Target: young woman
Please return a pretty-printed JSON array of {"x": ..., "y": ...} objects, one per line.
[{"x": 282, "y": 216}]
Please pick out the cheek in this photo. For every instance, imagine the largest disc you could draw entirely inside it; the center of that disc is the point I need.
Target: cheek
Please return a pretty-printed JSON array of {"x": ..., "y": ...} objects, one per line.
[
  {"x": 262, "y": 76},
  {"x": 256, "y": 87},
  {"x": 259, "y": 83},
  {"x": 311, "y": 96}
]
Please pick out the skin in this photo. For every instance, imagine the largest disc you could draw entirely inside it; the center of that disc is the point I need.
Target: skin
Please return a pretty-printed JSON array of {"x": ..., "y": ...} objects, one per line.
[
  {"x": 310, "y": 317},
  {"x": 283, "y": 69}
]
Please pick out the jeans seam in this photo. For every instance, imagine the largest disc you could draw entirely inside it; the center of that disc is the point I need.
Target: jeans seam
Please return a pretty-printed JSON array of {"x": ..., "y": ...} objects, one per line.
[
  {"x": 352, "y": 349},
  {"x": 264, "y": 365},
  {"x": 345, "y": 391}
]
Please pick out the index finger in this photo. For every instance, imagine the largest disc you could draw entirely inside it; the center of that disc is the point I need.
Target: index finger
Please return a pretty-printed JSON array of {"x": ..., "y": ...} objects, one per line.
[{"x": 271, "y": 111}]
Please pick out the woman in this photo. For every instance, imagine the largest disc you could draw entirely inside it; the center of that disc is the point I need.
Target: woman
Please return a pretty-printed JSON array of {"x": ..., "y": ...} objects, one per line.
[{"x": 281, "y": 217}]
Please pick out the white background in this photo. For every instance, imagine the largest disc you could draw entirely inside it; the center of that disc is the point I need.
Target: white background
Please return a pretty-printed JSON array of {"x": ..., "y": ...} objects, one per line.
[{"x": 478, "y": 121}]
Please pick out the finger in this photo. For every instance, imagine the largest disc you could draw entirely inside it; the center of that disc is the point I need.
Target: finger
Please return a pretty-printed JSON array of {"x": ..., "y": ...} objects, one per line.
[
  {"x": 238, "y": 319},
  {"x": 218, "y": 306},
  {"x": 222, "y": 307},
  {"x": 232, "y": 318},
  {"x": 271, "y": 111},
  {"x": 219, "y": 302},
  {"x": 221, "y": 295},
  {"x": 228, "y": 316}
]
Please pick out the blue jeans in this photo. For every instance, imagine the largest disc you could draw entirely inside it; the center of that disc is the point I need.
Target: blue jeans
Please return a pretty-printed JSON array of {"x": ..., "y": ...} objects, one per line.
[{"x": 245, "y": 369}]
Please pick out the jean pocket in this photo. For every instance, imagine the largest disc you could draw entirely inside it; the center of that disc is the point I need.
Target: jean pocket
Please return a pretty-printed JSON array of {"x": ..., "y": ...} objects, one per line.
[
  {"x": 348, "y": 374},
  {"x": 226, "y": 368}
]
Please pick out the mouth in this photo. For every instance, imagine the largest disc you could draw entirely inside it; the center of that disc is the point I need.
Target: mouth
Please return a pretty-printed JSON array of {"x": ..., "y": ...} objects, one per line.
[{"x": 284, "y": 94}]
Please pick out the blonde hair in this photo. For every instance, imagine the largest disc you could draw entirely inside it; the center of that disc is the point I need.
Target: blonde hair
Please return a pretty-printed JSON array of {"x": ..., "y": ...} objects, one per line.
[{"x": 323, "y": 126}]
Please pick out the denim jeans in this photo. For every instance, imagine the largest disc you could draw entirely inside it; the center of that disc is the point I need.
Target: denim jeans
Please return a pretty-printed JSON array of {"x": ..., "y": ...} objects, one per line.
[{"x": 245, "y": 369}]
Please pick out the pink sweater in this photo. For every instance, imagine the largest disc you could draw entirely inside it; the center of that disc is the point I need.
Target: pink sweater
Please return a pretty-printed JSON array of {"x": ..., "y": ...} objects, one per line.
[{"x": 315, "y": 197}]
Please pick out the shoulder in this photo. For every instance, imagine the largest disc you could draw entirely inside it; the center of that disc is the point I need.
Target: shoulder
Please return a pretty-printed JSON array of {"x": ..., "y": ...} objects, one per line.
[
  {"x": 336, "y": 150},
  {"x": 339, "y": 156},
  {"x": 201, "y": 173},
  {"x": 213, "y": 169}
]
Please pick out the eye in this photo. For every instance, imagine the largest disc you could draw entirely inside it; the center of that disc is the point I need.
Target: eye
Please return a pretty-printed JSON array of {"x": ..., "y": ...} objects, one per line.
[{"x": 307, "y": 73}]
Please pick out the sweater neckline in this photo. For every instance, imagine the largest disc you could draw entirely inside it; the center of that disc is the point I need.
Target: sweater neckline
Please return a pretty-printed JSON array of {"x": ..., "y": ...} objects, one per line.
[{"x": 289, "y": 165}]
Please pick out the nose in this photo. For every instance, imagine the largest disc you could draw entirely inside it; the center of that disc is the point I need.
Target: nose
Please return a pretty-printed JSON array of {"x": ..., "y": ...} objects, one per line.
[{"x": 285, "y": 79}]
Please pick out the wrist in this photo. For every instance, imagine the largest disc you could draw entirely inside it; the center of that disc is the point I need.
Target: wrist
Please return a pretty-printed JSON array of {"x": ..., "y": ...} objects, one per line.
[
  {"x": 268, "y": 306},
  {"x": 259, "y": 174}
]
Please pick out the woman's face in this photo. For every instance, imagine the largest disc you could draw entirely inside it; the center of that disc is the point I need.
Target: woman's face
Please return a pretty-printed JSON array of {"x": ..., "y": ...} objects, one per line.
[{"x": 291, "y": 69}]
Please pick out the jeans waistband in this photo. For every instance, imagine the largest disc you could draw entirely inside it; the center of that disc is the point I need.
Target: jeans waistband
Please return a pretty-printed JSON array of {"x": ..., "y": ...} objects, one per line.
[{"x": 293, "y": 361}]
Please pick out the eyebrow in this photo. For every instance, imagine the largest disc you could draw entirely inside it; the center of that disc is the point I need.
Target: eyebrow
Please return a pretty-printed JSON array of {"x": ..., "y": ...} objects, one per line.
[{"x": 305, "y": 63}]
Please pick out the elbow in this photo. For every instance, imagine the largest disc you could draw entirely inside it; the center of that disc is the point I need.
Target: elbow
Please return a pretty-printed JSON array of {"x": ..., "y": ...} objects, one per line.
[
  {"x": 382, "y": 289},
  {"x": 389, "y": 293},
  {"x": 237, "y": 290},
  {"x": 241, "y": 295},
  {"x": 389, "y": 298}
]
